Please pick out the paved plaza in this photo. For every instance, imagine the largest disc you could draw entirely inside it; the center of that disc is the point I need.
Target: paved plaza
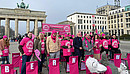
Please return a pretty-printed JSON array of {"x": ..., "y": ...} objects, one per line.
[{"x": 125, "y": 48}]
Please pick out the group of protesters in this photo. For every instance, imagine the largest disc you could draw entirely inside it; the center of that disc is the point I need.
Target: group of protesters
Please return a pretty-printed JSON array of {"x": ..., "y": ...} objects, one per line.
[{"x": 58, "y": 46}]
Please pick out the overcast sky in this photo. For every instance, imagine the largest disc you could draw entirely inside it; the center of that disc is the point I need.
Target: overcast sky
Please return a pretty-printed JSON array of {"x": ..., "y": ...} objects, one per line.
[{"x": 57, "y": 10}]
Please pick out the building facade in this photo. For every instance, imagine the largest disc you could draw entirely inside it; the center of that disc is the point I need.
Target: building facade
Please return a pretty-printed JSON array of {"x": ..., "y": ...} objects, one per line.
[
  {"x": 104, "y": 10},
  {"x": 119, "y": 18},
  {"x": 84, "y": 22}
]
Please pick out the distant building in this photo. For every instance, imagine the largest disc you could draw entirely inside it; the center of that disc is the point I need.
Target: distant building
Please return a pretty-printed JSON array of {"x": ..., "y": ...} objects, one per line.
[
  {"x": 123, "y": 18},
  {"x": 84, "y": 22},
  {"x": 104, "y": 10},
  {"x": 105, "y": 19}
]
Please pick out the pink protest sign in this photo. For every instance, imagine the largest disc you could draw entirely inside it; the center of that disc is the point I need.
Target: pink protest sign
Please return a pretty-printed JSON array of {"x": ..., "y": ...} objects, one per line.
[
  {"x": 15, "y": 59},
  {"x": 32, "y": 67},
  {"x": 117, "y": 60},
  {"x": 20, "y": 64},
  {"x": 59, "y": 28},
  {"x": 73, "y": 64},
  {"x": 128, "y": 60},
  {"x": 54, "y": 66},
  {"x": 7, "y": 69}
]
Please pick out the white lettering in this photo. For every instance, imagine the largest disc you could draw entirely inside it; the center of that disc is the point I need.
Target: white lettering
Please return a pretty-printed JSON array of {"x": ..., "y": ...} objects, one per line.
[
  {"x": 73, "y": 60},
  {"x": 54, "y": 62},
  {"x": 6, "y": 68},
  {"x": 32, "y": 67},
  {"x": 117, "y": 56}
]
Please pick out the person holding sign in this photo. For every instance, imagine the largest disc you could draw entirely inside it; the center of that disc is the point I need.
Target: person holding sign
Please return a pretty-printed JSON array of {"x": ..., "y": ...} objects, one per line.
[
  {"x": 26, "y": 49},
  {"x": 66, "y": 45},
  {"x": 4, "y": 47},
  {"x": 53, "y": 45},
  {"x": 40, "y": 45}
]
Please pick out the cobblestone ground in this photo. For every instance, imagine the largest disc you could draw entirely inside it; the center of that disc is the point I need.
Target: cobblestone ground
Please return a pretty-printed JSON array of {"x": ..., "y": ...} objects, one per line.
[{"x": 125, "y": 48}]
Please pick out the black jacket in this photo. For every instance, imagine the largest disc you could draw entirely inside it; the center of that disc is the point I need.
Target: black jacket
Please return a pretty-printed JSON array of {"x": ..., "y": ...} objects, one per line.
[{"x": 77, "y": 43}]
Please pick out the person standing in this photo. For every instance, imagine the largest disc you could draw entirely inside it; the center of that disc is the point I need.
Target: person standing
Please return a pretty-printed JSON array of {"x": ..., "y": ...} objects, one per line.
[
  {"x": 53, "y": 45},
  {"x": 77, "y": 43},
  {"x": 96, "y": 47},
  {"x": 26, "y": 49},
  {"x": 87, "y": 46},
  {"x": 40, "y": 45},
  {"x": 104, "y": 43},
  {"x": 4, "y": 47},
  {"x": 66, "y": 45},
  {"x": 114, "y": 45}
]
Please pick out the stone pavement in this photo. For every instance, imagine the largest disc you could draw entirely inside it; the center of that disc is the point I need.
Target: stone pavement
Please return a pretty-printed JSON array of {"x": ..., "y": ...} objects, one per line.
[{"x": 125, "y": 48}]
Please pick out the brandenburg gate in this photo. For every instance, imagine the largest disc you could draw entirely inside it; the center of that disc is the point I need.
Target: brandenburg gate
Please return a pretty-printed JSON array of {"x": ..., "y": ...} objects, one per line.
[{"x": 21, "y": 14}]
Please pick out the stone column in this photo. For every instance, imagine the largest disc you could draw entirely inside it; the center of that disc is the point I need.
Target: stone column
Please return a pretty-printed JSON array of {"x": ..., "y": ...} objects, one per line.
[
  {"x": 28, "y": 25},
  {"x": 36, "y": 27},
  {"x": 6, "y": 26},
  {"x": 16, "y": 27},
  {"x": 73, "y": 30}
]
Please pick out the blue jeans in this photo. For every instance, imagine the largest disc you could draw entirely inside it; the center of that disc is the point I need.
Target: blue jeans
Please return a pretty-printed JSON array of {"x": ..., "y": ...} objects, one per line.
[
  {"x": 40, "y": 63},
  {"x": 5, "y": 58},
  {"x": 25, "y": 59}
]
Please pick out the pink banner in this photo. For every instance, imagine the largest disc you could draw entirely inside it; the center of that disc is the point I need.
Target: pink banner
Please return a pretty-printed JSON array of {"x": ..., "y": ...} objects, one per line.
[
  {"x": 7, "y": 69},
  {"x": 54, "y": 66},
  {"x": 15, "y": 59},
  {"x": 20, "y": 64},
  {"x": 32, "y": 67},
  {"x": 62, "y": 29},
  {"x": 73, "y": 64}
]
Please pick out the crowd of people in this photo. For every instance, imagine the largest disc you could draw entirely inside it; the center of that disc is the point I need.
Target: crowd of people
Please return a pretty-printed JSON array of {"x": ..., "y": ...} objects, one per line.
[{"x": 61, "y": 46}]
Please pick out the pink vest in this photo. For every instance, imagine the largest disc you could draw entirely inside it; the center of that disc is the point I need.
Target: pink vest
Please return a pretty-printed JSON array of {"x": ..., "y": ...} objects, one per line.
[
  {"x": 97, "y": 50},
  {"x": 105, "y": 43},
  {"x": 5, "y": 51},
  {"x": 32, "y": 67},
  {"x": 7, "y": 69},
  {"x": 15, "y": 59},
  {"x": 73, "y": 64},
  {"x": 54, "y": 66},
  {"x": 72, "y": 49},
  {"x": 115, "y": 43},
  {"x": 27, "y": 44},
  {"x": 42, "y": 47},
  {"x": 66, "y": 52}
]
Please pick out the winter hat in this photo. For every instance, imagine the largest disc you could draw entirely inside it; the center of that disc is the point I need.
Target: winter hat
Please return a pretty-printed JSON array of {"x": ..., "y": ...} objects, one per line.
[
  {"x": 103, "y": 35},
  {"x": 66, "y": 35},
  {"x": 5, "y": 37},
  {"x": 72, "y": 36}
]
